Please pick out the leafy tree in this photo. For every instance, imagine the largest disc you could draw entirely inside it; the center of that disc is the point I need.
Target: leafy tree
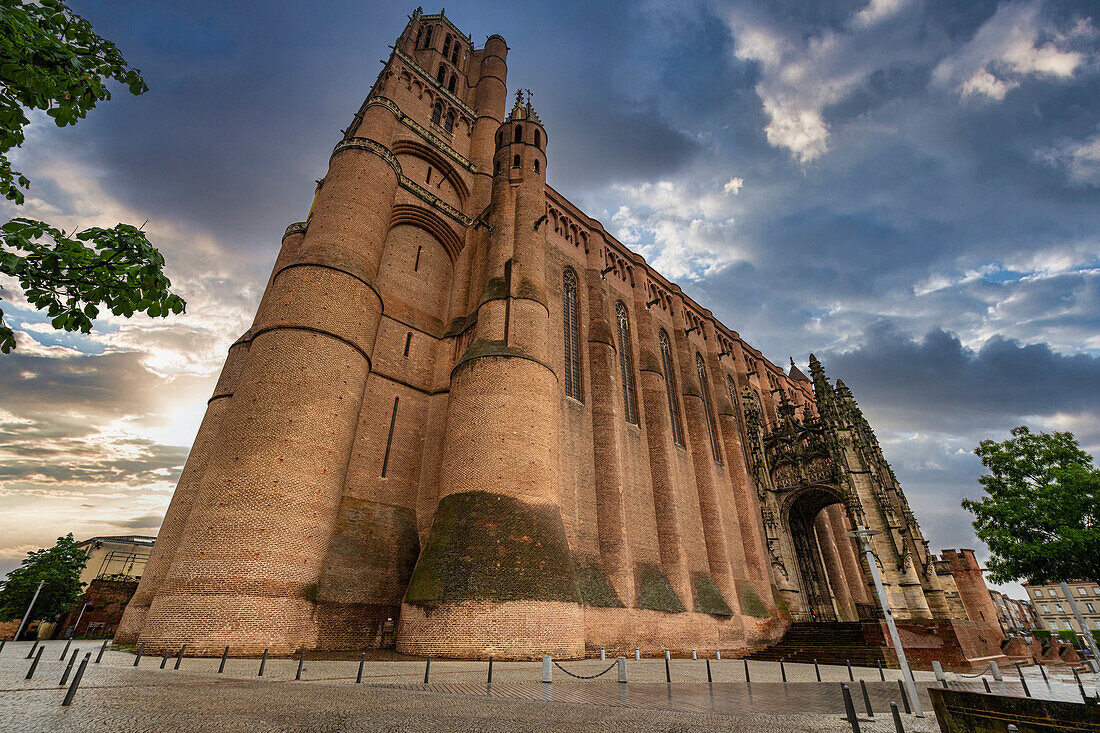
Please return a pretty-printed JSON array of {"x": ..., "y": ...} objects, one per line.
[
  {"x": 1040, "y": 516},
  {"x": 52, "y": 60},
  {"x": 60, "y": 567}
]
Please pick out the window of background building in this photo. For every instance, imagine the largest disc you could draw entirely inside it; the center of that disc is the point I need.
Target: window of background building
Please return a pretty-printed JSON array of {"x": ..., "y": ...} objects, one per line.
[
  {"x": 1059, "y": 607},
  {"x": 1081, "y": 591},
  {"x": 1038, "y": 594},
  {"x": 1090, "y": 608},
  {"x": 1053, "y": 594},
  {"x": 1044, "y": 608}
]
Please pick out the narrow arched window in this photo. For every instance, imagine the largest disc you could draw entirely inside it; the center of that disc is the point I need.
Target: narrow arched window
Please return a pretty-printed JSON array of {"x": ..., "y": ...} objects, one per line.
[
  {"x": 519, "y": 133},
  {"x": 454, "y": 54},
  {"x": 442, "y": 74},
  {"x": 446, "y": 45},
  {"x": 515, "y": 162},
  {"x": 626, "y": 364},
  {"x": 451, "y": 84},
  {"x": 538, "y": 139},
  {"x": 437, "y": 112},
  {"x": 428, "y": 37},
  {"x": 704, "y": 391},
  {"x": 536, "y": 165},
  {"x": 572, "y": 335},
  {"x": 449, "y": 121},
  {"x": 732, "y": 390},
  {"x": 670, "y": 387}
]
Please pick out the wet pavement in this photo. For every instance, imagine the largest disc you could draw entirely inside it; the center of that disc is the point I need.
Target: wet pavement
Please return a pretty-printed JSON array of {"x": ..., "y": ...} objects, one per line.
[{"x": 116, "y": 695}]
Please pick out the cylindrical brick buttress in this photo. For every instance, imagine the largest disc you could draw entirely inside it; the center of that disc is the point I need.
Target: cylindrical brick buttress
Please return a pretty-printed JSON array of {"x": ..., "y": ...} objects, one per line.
[
  {"x": 247, "y": 569},
  {"x": 496, "y": 575}
]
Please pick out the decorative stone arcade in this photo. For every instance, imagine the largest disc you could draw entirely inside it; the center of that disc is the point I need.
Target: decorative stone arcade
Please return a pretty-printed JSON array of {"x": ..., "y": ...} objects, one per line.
[{"x": 818, "y": 476}]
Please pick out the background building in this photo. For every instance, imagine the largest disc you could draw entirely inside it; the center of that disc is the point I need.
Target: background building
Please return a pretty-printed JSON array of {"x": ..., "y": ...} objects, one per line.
[
  {"x": 115, "y": 565},
  {"x": 1056, "y": 614},
  {"x": 1016, "y": 617}
]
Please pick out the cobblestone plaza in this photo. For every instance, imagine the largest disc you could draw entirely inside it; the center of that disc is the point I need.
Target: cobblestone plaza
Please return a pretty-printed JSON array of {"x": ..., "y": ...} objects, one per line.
[{"x": 115, "y": 695}]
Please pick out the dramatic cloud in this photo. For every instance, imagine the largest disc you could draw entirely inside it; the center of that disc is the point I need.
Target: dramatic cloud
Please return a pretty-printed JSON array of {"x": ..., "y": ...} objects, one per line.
[{"x": 1009, "y": 48}]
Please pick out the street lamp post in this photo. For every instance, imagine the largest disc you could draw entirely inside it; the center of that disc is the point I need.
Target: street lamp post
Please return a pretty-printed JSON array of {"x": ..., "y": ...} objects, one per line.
[
  {"x": 863, "y": 534},
  {"x": 27, "y": 615},
  {"x": 80, "y": 616}
]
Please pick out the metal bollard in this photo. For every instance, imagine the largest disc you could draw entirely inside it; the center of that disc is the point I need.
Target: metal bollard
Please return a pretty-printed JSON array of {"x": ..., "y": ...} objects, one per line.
[
  {"x": 851, "y": 678},
  {"x": 76, "y": 681},
  {"x": 38, "y": 656},
  {"x": 817, "y": 671},
  {"x": 849, "y": 708},
  {"x": 986, "y": 683},
  {"x": 622, "y": 669},
  {"x": 164, "y": 659},
  {"x": 301, "y": 661},
  {"x": 221, "y": 667},
  {"x": 33, "y": 647},
  {"x": 489, "y": 679},
  {"x": 263, "y": 661},
  {"x": 898, "y": 727},
  {"x": 668, "y": 654},
  {"x": 603, "y": 654},
  {"x": 782, "y": 670},
  {"x": 547, "y": 670},
  {"x": 1027, "y": 692},
  {"x": 718, "y": 654},
  {"x": 427, "y": 668},
  {"x": 694, "y": 655},
  {"x": 141, "y": 648},
  {"x": 99, "y": 657},
  {"x": 179, "y": 657},
  {"x": 996, "y": 671},
  {"x": 866, "y": 699},
  {"x": 709, "y": 680},
  {"x": 65, "y": 651},
  {"x": 69, "y": 668},
  {"x": 746, "y": 661},
  {"x": 881, "y": 671},
  {"x": 637, "y": 654},
  {"x": 359, "y": 674},
  {"x": 668, "y": 674},
  {"x": 904, "y": 697}
]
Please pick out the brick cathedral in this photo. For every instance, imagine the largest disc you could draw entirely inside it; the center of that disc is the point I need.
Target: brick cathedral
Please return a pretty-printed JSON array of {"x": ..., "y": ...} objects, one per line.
[{"x": 468, "y": 421}]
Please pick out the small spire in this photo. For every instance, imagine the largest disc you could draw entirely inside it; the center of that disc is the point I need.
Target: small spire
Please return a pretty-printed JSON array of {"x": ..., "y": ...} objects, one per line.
[{"x": 796, "y": 374}]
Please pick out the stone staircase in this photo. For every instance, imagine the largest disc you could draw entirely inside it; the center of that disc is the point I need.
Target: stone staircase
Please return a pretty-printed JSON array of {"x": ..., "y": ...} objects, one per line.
[{"x": 831, "y": 642}]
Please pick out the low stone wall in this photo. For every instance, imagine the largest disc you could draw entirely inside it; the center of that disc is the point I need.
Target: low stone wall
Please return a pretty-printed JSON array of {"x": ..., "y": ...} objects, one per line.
[{"x": 976, "y": 712}]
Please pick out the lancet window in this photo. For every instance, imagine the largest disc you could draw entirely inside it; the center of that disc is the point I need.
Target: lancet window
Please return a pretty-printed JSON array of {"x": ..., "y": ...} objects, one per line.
[
  {"x": 670, "y": 387},
  {"x": 704, "y": 391},
  {"x": 572, "y": 335},
  {"x": 626, "y": 364}
]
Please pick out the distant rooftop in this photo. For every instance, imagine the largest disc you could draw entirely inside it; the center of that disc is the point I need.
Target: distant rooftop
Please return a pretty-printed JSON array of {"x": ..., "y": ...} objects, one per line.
[{"x": 133, "y": 539}]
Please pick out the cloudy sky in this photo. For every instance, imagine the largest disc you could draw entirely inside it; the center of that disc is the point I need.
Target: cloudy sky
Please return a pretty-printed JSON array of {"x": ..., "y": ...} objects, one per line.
[{"x": 908, "y": 188}]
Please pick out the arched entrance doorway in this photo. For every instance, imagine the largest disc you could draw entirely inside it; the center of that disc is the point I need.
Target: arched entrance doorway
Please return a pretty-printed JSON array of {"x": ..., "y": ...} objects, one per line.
[{"x": 805, "y": 517}]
